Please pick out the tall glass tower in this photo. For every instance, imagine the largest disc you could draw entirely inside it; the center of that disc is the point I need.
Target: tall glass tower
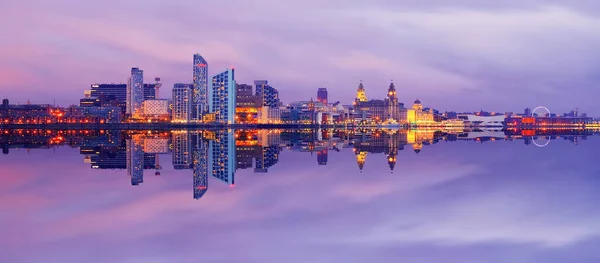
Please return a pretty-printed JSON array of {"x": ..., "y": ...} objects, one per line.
[
  {"x": 222, "y": 97},
  {"x": 200, "y": 89},
  {"x": 135, "y": 92}
]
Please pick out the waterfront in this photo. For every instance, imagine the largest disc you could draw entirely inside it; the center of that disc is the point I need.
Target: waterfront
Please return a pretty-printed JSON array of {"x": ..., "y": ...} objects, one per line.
[{"x": 299, "y": 196}]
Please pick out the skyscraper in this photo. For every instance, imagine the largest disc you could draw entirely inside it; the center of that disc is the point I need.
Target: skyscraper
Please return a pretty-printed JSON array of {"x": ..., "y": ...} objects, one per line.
[
  {"x": 222, "y": 157},
  {"x": 222, "y": 97},
  {"x": 199, "y": 164},
  {"x": 182, "y": 150},
  {"x": 322, "y": 95},
  {"x": 135, "y": 92},
  {"x": 135, "y": 159},
  {"x": 182, "y": 103},
  {"x": 269, "y": 95},
  {"x": 200, "y": 89}
]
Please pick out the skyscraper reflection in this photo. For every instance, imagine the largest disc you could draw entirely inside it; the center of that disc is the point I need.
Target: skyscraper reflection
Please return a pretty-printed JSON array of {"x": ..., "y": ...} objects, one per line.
[{"x": 220, "y": 153}]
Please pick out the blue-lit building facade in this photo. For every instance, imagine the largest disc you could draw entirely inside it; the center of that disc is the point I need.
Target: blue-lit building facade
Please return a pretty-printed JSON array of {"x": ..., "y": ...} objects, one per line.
[
  {"x": 102, "y": 94},
  {"x": 269, "y": 95},
  {"x": 135, "y": 92},
  {"x": 222, "y": 157},
  {"x": 222, "y": 97},
  {"x": 135, "y": 160},
  {"x": 182, "y": 150},
  {"x": 182, "y": 103},
  {"x": 199, "y": 164},
  {"x": 200, "y": 88}
]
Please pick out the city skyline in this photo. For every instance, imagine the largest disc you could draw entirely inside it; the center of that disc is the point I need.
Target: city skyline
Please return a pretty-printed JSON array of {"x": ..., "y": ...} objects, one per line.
[{"x": 523, "y": 64}]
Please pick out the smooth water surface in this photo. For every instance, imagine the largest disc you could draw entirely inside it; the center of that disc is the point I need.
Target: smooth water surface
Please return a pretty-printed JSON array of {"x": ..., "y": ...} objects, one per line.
[{"x": 298, "y": 197}]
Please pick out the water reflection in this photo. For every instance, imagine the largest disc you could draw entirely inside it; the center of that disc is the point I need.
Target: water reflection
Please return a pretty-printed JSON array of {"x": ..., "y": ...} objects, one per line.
[
  {"x": 299, "y": 196},
  {"x": 219, "y": 154}
]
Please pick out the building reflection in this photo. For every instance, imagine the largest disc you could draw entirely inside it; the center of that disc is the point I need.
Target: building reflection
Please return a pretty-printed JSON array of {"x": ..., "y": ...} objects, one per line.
[{"x": 221, "y": 153}]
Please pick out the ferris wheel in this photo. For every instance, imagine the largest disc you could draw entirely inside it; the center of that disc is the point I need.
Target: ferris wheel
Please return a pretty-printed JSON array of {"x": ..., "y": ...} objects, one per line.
[
  {"x": 541, "y": 141},
  {"x": 540, "y": 111}
]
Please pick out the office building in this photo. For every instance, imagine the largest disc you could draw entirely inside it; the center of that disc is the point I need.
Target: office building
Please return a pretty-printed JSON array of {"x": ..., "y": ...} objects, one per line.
[
  {"x": 247, "y": 105},
  {"x": 222, "y": 97},
  {"x": 156, "y": 108},
  {"x": 135, "y": 159},
  {"x": 149, "y": 91},
  {"x": 182, "y": 150},
  {"x": 182, "y": 103},
  {"x": 322, "y": 95},
  {"x": 269, "y": 95},
  {"x": 135, "y": 92},
  {"x": 200, "y": 88},
  {"x": 222, "y": 157}
]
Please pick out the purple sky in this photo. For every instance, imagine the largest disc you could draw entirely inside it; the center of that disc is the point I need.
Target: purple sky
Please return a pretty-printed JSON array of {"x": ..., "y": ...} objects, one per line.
[
  {"x": 453, "y": 202},
  {"x": 453, "y": 55}
]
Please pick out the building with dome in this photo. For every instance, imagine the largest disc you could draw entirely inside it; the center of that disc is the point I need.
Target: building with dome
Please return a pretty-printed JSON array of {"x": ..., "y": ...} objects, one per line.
[
  {"x": 376, "y": 110},
  {"x": 419, "y": 117}
]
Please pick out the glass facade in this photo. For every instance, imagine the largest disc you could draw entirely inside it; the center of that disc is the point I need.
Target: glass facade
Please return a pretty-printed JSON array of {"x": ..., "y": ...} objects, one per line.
[
  {"x": 222, "y": 157},
  {"x": 182, "y": 103},
  {"x": 135, "y": 160},
  {"x": 135, "y": 92},
  {"x": 200, "y": 89},
  {"x": 269, "y": 95},
  {"x": 223, "y": 97}
]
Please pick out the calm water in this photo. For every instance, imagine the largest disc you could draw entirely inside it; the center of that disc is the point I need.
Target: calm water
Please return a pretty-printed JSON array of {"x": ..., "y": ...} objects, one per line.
[{"x": 272, "y": 196}]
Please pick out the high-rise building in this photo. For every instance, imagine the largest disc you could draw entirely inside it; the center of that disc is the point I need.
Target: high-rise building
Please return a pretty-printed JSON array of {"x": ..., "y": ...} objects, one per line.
[
  {"x": 135, "y": 92},
  {"x": 135, "y": 160},
  {"x": 322, "y": 95},
  {"x": 200, "y": 89},
  {"x": 222, "y": 97},
  {"x": 269, "y": 95},
  {"x": 182, "y": 103},
  {"x": 182, "y": 150},
  {"x": 222, "y": 157},
  {"x": 247, "y": 105},
  {"x": 149, "y": 91},
  {"x": 199, "y": 164}
]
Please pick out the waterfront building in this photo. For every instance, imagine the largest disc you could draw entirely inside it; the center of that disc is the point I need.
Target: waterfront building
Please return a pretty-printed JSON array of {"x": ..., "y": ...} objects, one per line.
[
  {"x": 200, "y": 104},
  {"x": 361, "y": 94},
  {"x": 182, "y": 150},
  {"x": 269, "y": 95},
  {"x": 135, "y": 92},
  {"x": 417, "y": 116},
  {"x": 116, "y": 94},
  {"x": 182, "y": 103},
  {"x": 247, "y": 105},
  {"x": 158, "y": 109},
  {"x": 376, "y": 110},
  {"x": 222, "y": 97},
  {"x": 222, "y": 157},
  {"x": 150, "y": 91},
  {"x": 268, "y": 157},
  {"x": 200, "y": 151},
  {"x": 135, "y": 160},
  {"x": 322, "y": 95}
]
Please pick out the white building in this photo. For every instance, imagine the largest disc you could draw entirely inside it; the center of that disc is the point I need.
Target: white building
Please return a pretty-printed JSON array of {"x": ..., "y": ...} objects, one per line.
[
  {"x": 156, "y": 108},
  {"x": 267, "y": 114},
  {"x": 182, "y": 103},
  {"x": 482, "y": 121},
  {"x": 156, "y": 145}
]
